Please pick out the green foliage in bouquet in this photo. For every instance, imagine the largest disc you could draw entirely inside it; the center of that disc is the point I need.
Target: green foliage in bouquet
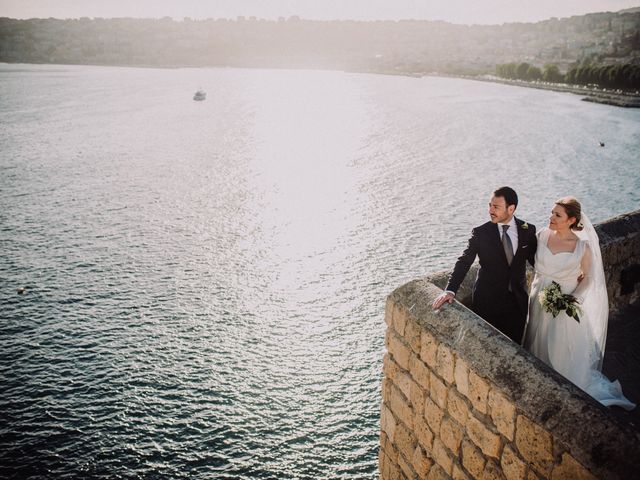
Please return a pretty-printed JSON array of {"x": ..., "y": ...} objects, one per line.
[{"x": 554, "y": 301}]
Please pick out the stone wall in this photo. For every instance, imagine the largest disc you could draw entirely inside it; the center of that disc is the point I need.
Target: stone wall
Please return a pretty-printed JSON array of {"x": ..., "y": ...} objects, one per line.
[
  {"x": 620, "y": 246},
  {"x": 461, "y": 401}
]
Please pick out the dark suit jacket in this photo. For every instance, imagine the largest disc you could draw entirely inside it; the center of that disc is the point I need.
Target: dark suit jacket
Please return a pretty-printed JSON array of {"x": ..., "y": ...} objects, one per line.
[{"x": 495, "y": 275}]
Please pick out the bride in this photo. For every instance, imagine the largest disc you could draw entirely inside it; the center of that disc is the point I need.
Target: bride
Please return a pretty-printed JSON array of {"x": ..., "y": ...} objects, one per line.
[{"x": 569, "y": 254}]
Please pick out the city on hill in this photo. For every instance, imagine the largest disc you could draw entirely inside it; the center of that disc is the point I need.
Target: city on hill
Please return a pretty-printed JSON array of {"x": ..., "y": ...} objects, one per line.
[{"x": 413, "y": 47}]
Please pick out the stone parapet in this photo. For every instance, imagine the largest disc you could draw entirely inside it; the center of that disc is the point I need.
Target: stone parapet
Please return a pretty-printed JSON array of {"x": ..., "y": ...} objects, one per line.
[
  {"x": 461, "y": 401},
  {"x": 620, "y": 246}
]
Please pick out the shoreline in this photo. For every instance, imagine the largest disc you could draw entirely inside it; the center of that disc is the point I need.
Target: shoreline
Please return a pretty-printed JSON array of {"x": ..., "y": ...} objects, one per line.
[
  {"x": 616, "y": 98},
  {"x": 589, "y": 94}
]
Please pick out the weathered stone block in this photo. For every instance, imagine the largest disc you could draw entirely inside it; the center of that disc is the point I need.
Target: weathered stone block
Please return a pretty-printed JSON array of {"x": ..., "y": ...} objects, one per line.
[
  {"x": 390, "y": 368},
  {"x": 394, "y": 472},
  {"x": 399, "y": 351},
  {"x": 478, "y": 392},
  {"x": 399, "y": 319},
  {"x": 386, "y": 387},
  {"x": 442, "y": 456},
  {"x": 535, "y": 445},
  {"x": 392, "y": 452},
  {"x": 383, "y": 466},
  {"x": 421, "y": 462},
  {"x": 403, "y": 381},
  {"x": 387, "y": 422},
  {"x": 437, "y": 473},
  {"x": 388, "y": 312},
  {"x": 491, "y": 472},
  {"x": 419, "y": 371},
  {"x": 570, "y": 469},
  {"x": 407, "y": 469},
  {"x": 484, "y": 438},
  {"x": 417, "y": 396},
  {"x": 531, "y": 475},
  {"x": 445, "y": 363},
  {"x": 457, "y": 407},
  {"x": 433, "y": 413},
  {"x": 438, "y": 390},
  {"x": 512, "y": 467},
  {"x": 384, "y": 440},
  {"x": 503, "y": 413},
  {"x": 388, "y": 447},
  {"x": 382, "y": 460},
  {"x": 472, "y": 458},
  {"x": 461, "y": 376},
  {"x": 399, "y": 405},
  {"x": 423, "y": 434},
  {"x": 451, "y": 434},
  {"x": 412, "y": 333},
  {"x": 458, "y": 473},
  {"x": 428, "y": 349},
  {"x": 405, "y": 441}
]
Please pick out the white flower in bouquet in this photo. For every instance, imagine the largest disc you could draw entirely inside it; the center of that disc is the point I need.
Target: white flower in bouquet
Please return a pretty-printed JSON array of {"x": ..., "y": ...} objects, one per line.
[{"x": 554, "y": 301}]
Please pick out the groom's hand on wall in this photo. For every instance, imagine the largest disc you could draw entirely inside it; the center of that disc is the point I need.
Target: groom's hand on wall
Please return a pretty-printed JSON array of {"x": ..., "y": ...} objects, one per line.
[{"x": 444, "y": 297}]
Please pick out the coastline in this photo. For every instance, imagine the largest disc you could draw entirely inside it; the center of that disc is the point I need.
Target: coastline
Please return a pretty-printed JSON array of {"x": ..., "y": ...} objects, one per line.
[
  {"x": 616, "y": 98},
  {"x": 589, "y": 94}
]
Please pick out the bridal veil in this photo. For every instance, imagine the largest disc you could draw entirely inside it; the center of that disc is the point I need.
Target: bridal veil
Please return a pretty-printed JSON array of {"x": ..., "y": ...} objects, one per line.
[{"x": 592, "y": 294}]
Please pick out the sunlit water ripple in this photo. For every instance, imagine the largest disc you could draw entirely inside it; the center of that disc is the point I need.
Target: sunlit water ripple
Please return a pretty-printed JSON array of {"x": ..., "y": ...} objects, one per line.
[{"x": 205, "y": 281}]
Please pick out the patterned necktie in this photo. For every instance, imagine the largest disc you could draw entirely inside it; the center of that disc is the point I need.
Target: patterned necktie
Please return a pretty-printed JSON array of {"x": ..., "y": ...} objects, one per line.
[{"x": 506, "y": 244}]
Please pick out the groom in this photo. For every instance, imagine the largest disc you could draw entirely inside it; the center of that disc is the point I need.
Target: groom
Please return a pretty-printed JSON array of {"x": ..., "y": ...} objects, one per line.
[{"x": 503, "y": 247}]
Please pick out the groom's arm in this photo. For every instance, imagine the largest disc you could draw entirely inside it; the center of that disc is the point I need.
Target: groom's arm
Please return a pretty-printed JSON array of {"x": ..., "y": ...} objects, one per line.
[
  {"x": 464, "y": 263},
  {"x": 460, "y": 270}
]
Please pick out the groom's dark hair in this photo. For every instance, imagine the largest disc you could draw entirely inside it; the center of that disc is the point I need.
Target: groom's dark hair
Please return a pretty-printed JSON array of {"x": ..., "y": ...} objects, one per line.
[{"x": 509, "y": 194}]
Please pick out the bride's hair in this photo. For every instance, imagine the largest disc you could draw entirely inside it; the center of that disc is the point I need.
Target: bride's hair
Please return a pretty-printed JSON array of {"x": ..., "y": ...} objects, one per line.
[{"x": 573, "y": 209}]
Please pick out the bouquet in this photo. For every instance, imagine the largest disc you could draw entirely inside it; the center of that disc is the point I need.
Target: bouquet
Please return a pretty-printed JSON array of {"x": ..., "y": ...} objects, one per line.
[{"x": 554, "y": 301}]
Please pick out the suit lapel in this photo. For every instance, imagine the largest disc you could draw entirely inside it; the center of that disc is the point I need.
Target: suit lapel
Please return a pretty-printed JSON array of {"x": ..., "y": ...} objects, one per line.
[
  {"x": 521, "y": 236},
  {"x": 495, "y": 235}
]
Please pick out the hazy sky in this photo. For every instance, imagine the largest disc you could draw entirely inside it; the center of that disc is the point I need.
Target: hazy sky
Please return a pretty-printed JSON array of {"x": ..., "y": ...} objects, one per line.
[{"x": 456, "y": 11}]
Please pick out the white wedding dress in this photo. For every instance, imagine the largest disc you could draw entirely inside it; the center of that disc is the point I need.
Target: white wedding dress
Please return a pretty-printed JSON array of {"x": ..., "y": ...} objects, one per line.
[{"x": 573, "y": 349}]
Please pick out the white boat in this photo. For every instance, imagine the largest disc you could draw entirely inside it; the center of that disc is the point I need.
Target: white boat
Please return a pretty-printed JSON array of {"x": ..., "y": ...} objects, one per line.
[{"x": 200, "y": 95}]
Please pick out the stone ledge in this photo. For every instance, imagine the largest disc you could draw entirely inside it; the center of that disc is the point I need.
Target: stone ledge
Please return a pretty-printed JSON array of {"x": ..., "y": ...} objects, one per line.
[
  {"x": 603, "y": 444},
  {"x": 617, "y": 228}
]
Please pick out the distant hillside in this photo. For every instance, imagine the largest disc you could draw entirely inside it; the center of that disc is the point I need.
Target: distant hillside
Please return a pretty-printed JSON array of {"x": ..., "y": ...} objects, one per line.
[{"x": 379, "y": 46}]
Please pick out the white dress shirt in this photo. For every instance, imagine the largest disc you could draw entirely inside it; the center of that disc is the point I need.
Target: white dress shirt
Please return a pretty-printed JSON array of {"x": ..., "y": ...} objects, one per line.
[{"x": 512, "y": 232}]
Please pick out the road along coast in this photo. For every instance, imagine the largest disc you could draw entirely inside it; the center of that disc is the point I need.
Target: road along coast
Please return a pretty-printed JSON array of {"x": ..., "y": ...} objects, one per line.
[{"x": 618, "y": 98}]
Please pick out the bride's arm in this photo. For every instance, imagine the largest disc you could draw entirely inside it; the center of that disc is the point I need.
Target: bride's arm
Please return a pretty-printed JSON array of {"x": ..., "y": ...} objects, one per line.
[{"x": 587, "y": 275}]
